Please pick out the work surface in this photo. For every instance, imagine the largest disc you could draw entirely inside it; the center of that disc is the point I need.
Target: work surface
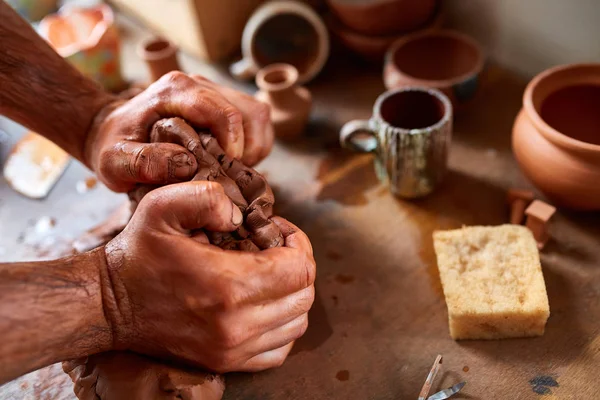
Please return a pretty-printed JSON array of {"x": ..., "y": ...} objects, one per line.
[{"x": 379, "y": 317}]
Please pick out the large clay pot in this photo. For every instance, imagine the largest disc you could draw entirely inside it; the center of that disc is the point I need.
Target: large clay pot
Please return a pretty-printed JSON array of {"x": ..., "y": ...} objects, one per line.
[
  {"x": 383, "y": 17},
  {"x": 374, "y": 47},
  {"x": 160, "y": 56},
  {"x": 283, "y": 32},
  {"x": 88, "y": 39},
  {"x": 290, "y": 104},
  {"x": 446, "y": 60},
  {"x": 556, "y": 136}
]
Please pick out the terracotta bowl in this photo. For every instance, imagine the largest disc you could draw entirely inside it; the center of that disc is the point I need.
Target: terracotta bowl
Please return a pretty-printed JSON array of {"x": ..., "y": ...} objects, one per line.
[
  {"x": 556, "y": 136},
  {"x": 383, "y": 17},
  {"x": 446, "y": 60},
  {"x": 372, "y": 48}
]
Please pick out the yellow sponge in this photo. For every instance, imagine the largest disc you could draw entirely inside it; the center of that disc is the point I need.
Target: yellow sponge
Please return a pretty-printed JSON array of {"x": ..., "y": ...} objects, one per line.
[{"x": 493, "y": 282}]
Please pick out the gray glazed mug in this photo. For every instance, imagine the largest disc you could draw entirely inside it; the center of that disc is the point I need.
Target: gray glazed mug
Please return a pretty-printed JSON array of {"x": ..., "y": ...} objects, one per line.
[{"x": 409, "y": 133}]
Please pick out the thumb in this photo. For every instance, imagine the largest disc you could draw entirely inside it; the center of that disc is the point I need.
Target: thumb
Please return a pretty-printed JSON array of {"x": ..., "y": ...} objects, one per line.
[
  {"x": 184, "y": 207},
  {"x": 129, "y": 163}
]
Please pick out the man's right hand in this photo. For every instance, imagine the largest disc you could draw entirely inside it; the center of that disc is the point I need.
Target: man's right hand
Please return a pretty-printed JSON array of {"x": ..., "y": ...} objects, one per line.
[{"x": 169, "y": 293}]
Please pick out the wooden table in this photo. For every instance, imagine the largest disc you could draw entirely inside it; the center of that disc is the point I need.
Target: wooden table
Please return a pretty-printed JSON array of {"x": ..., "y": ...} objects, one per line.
[{"x": 379, "y": 317}]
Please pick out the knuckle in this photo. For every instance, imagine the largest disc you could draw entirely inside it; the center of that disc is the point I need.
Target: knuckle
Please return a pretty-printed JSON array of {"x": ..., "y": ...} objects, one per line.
[
  {"x": 174, "y": 77},
  {"x": 233, "y": 115},
  {"x": 230, "y": 335},
  {"x": 279, "y": 360},
  {"x": 263, "y": 113},
  {"x": 307, "y": 269},
  {"x": 302, "y": 327},
  {"x": 213, "y": 196}
]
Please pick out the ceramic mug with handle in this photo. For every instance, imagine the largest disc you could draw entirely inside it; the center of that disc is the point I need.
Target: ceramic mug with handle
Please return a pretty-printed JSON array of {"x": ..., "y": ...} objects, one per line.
[{"x": 409, "y": 133}]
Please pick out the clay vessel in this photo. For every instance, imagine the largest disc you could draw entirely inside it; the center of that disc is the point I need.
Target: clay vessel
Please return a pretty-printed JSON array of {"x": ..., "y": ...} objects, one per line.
[
  {"x": 33, "y": 10},
  {"x": 383, "y": 17},
  {"x": 283, "y": 32},
  {"x": 290, "y": 104},
  {"x": 409, "y": 133},
  {"x": 88, "y": 39},
  {"x": 556, "y": 135},
  {"x": 446, "y": 60},
  {"x": 373, "y": 48},
  {"x": 160, "y": 56}
]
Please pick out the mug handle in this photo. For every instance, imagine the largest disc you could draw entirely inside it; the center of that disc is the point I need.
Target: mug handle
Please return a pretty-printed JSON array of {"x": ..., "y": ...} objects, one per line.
[
  {"x": 243, "y": 69},
  {"x": 349, "y": 140}
]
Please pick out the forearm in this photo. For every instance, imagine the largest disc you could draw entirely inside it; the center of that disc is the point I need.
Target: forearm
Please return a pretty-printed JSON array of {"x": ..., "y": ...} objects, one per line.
[
  {"x": 51, "y": 311},
  {"x": 41, "y": 90}
]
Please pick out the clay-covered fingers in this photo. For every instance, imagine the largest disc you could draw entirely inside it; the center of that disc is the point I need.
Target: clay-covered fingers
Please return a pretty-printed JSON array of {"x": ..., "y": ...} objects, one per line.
[
  {"x": 184, "y": 207},
  {"x": 127, "y": 163},
  {"x": 256, "y": 116},
  {"x": 293, "y": 236},
  {"x": 200, "y": 105}
]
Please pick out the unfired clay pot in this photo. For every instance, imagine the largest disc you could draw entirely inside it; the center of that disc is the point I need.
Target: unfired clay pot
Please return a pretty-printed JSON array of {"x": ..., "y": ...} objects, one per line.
[
  {"x": 160, "y": 56},
  {"x": 88, "y": 39},
  {"x": 283, "y": 32},
  {"x": 383, "y": 17},
  {"x": 556, "y": 136},
  {"x": 446, "y": 60},
  {"x": 373, "y": 48},
  {"x": 290, "y": 104}
]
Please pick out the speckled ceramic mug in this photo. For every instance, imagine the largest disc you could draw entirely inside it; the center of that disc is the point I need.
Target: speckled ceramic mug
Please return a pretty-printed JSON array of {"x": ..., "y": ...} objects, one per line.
[{"x": 409, "y": 133}]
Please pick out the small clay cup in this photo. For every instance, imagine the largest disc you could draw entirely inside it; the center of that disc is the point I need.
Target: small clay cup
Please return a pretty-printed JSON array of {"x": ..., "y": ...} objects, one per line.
[
  {"x": 290, "y": 104},
  {"x": 160, "y": 56},
  {"x": 373, "y": 47},
  {"x": 283, "y": 32},
  {"x": 89, "y": 39},
  {"x": 409, "y": 133},
  {"x": 556, "y": 135},
  {"x": 446, "y": 60},
  {"x": 383, "y": 17}
]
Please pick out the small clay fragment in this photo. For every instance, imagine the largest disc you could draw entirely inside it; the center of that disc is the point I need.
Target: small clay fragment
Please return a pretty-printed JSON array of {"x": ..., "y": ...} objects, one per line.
[
  {"x": 518, "y": 200},
  {"x": 538, "y": 215},
  {"x": 122, "y": 375}
]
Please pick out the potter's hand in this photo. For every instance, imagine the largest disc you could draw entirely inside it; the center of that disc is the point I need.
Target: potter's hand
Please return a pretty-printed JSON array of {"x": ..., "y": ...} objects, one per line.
[
  {"x": 117, "y": 147},
  {"x": 168, "y": 292}
]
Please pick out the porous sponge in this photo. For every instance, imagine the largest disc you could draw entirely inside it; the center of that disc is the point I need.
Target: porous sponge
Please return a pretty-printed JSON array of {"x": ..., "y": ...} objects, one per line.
[{"x": 493, "y": 282}]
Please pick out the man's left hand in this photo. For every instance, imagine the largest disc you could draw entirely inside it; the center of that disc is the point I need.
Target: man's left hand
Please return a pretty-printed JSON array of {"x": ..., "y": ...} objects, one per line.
[{"x": 118, "y": 147}]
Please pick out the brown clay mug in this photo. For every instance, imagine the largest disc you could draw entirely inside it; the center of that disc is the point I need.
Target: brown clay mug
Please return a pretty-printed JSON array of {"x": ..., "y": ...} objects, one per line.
[
  {"x": 556, "y": 136},
  {"x": 410, "y": 133},
  {"x": 446, "y": 60},
  {"x": 287, "y": 32}
]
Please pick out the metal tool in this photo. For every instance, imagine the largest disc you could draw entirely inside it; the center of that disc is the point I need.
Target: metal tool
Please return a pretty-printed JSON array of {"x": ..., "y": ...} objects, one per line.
[
  {"x": 446, "y": 393},
  {"x": 443, "y": 394}
]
